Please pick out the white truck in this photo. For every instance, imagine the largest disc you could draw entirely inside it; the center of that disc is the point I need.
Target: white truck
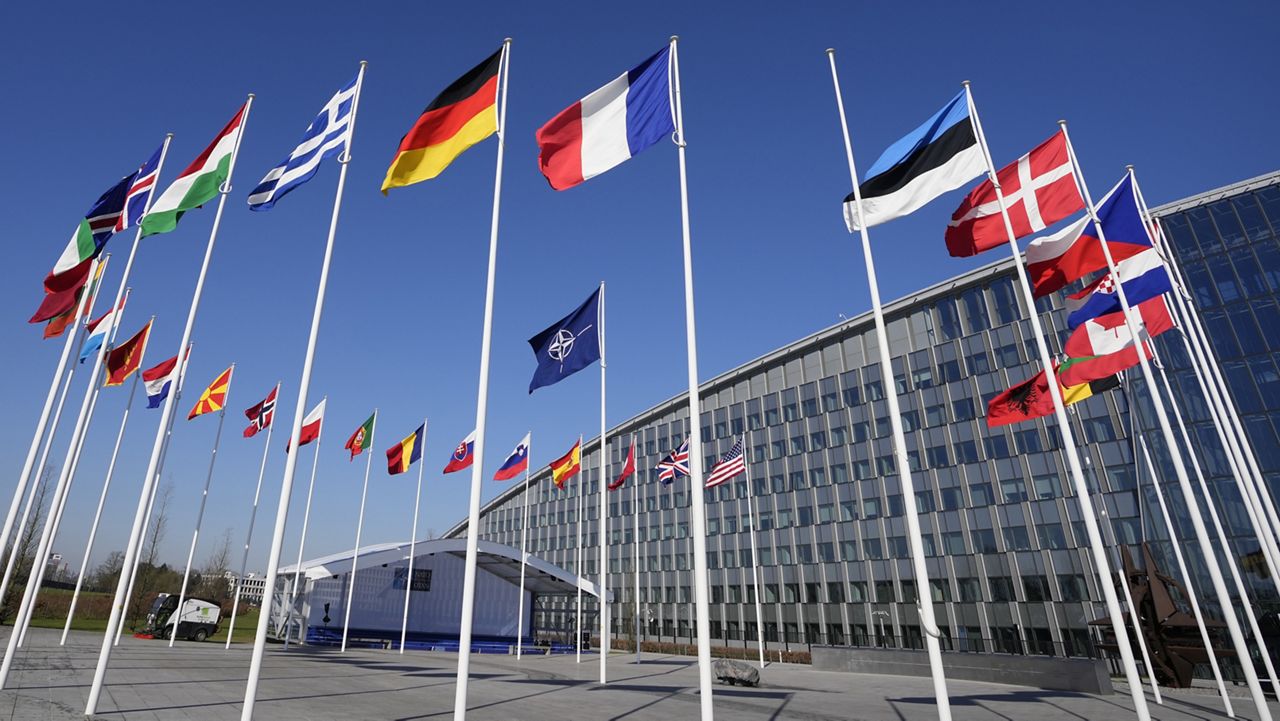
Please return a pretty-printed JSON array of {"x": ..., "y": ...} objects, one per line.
[{"x": 198, "y": 620}]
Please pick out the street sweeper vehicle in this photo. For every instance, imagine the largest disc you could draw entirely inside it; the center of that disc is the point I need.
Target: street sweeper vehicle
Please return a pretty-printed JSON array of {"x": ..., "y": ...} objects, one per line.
[{"x": 197, "y": 622}]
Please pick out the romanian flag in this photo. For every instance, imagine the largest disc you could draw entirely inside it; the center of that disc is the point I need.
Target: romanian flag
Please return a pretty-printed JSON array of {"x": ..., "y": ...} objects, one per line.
[
  {"x": 126, "y": 358},
  {"x": 406, "y": 452},
  {"x": 567, "y": 466},
  {"x": 461, "y": 116},
  {"x": 362, "y": 438},
  {"x": 215, "y": 396}
]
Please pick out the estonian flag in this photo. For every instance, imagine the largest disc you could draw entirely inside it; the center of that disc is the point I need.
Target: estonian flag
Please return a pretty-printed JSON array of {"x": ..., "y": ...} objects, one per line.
[{"x": 939, "y": 156}]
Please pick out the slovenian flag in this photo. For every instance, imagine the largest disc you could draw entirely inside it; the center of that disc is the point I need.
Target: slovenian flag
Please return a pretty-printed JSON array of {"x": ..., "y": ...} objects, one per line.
[
  {"x": 608, "y": 126},
  {"x": 516, "y": 463},
  {"x": 1143, "y": 277},
  {"x": 462, "y": 455},
  {"x": 159, "y": 379}
]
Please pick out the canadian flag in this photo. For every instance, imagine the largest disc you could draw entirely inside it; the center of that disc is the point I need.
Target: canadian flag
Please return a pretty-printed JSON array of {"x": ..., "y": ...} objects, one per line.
[
  {"x": 1103, "y": 346},
  {"x": 1039, "y": 190}
]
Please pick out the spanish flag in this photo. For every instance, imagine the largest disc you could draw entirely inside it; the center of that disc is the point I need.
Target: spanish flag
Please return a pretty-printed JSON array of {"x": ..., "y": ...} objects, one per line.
[
  {"x": 567, "y": 466},
  {"x": 214, "y": 397},
  {"x": 461, "y": 116},
  {"x": 406, "y": 452}
]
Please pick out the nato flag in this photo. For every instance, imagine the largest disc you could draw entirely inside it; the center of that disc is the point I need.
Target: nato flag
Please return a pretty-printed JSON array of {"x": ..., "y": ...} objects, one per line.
[{"x": 569, "y": 345}]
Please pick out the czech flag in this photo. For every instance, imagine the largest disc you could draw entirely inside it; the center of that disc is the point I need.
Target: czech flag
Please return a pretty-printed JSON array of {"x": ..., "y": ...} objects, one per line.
[
  {"x": 608, "y": 126},
  {"x": 463, "y": 455},
  {"x": 516, "y": 463},
  {"x": 406, "y": 452}
]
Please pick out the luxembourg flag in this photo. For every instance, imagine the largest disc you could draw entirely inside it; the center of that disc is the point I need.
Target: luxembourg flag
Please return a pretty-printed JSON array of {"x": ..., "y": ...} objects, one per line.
[
  {"x": 98, "y": 331},
  {"x": 516, "y": 463},
  {"x": 462, "y": 455},
  {"x": 608, "y": 126}
]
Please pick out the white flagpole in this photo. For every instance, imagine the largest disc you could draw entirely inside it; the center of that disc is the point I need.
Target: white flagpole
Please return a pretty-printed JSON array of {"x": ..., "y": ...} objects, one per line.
[
  {"x": 1186, "y": 575},
  {"x": 413, "y": 544},
  {"x": 603, "y": 522},
  {"x": 204, "y": 499},
  {"x": 302, "y": 543},
  {"x": 700, "y": 592},
  {"x": 248, "y": 536},
  {"x": 482, "y": 401},
  {"x": 355, "y": 558},
  {"x": 286, "y": 484},
  {"x": 524, "y": 533},
  {"x": 577, "y": 565},
  {"x": 150, "y": 477},
  {"x": 635, "y": 539},
  {"x": 97, "y": 514},
  {"x": 1193, "y": 510},
  {"x": 1070, "y": 450},
  {"x": 755, "y": 560},
  {"x": 924, "y": 601}
]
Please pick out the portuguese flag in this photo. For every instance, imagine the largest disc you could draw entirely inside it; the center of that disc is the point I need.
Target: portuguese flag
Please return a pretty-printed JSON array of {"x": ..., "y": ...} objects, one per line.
[
  {"x": 461, "y": 116},
  {"x": 362, "y": 438},
  {"x": 198, "y": 183}
]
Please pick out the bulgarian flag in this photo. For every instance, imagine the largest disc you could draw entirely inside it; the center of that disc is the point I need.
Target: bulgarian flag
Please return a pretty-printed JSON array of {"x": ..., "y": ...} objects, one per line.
[{"x": 198, "y": 183}]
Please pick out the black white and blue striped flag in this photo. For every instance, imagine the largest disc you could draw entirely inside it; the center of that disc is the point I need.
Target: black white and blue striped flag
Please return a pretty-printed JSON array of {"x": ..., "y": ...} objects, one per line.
[{"x": 327, "y": 136}]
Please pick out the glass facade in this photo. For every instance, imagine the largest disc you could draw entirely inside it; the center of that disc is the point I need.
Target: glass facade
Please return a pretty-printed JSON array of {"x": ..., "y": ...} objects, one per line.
[{"x": 1008, "y": 562}]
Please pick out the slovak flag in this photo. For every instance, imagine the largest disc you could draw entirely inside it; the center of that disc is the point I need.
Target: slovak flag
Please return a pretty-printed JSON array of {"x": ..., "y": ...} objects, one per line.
[
  {"x": 608, "y": 126},
  {"x": 515, "y": 464},
  {"x": 463, "y": 455}
]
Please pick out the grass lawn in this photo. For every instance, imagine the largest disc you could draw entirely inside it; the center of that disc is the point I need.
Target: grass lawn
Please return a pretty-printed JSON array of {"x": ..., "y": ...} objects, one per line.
[{"x": 92, "y": 609}]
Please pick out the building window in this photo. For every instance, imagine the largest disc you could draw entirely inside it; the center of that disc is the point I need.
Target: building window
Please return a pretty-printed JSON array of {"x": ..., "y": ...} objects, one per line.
[
  {"x": 1051, "y": 536},
  {"x": 1002, "y": 589},
  {"x": 962, "y": 410},
  {"x": 885, "y": 592},
  {"x": 970, "y": 590},
  {"x": 984, "y": 540},
  {"x": 966, "y": 452},
  {"x": 1036, "y": 588},
  {"x": 1016, "y": 538},
  {"x": 1072, "y": 587}
]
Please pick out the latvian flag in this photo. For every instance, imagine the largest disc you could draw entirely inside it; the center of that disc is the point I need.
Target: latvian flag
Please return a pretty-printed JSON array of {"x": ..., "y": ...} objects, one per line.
[
  {"x": 730, "y": 465},
  {"x": 609, "y": 126},
  {"x": 939, "y": 156}
]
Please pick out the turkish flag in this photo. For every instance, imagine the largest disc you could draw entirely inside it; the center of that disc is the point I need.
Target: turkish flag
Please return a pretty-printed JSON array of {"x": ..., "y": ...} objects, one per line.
[{"x": 1039, "y": 190}]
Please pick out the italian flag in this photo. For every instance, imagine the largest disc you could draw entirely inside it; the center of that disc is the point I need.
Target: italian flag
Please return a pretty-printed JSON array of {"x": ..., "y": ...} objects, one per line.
[
  {"x": 79, "y": 249},
  {"x": 198, "y": 183}
]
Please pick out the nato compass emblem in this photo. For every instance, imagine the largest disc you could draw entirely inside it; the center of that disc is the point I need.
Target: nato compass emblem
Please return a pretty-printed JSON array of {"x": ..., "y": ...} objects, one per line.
[{"x": 562, "y": 345}]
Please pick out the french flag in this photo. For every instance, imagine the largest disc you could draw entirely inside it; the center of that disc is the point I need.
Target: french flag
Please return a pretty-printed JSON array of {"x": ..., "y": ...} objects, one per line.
[
  {"x": 463, "y": 455},
  {"x": 608, "y": 126},
  {"x": 516, "y": 463}
]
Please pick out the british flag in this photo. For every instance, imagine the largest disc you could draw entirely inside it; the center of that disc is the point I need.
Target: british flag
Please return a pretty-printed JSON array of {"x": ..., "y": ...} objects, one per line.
[
  {"x": 139, "y": 195},
  {"x": 730, "y": 465},
  {"x": 676, "y": 463}
]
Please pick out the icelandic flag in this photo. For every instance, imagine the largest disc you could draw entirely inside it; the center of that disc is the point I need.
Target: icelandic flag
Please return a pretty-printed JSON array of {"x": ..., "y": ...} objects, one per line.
[
  {"x": 464, "y": 455},
  {"x": 139, "y": 194},
  {"x": 158, "y": 380},
  {"x": 325, "y": 137},
  {"x": 568, "y": 345},
  {"x": 1143, "y": 277},
  {"x": 608, "y": 126},
  {"x": 98, "y": 331},
  {"x": 516, "y": 463}
]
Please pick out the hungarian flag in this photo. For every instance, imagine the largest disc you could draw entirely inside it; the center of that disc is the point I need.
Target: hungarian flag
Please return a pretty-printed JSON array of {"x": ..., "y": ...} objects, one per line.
[
  {"x": 406, "y": 452},
  {"x": 126, "y": 358},
  {"x": 198, "y": 183},
  {"x": 628, "y": 467},
  {"x": 462, "y": 115},
  {"x": 214, "y": 398},
  {"x": 261, "y": 415},
  {"x": 1039, "y": 190},
  {"x": 463, "y": 456},
  {"x": 567, "y": 466},
  {"x": 516, "y": 463},
  {"x": 310, "y": 426},
  {"x": 362, "y": 438}
]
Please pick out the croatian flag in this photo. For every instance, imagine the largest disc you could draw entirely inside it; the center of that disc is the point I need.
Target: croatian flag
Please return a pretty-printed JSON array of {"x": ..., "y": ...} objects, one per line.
[
  {"x": 463, "y": 455},
  {"x": 158, "y": 380},
  {"x": 608, "y": 126},
  {"x": 516, "y": 463},
  {"x": 1143, "y": 277},
  {"x": 139, "y": 194}
]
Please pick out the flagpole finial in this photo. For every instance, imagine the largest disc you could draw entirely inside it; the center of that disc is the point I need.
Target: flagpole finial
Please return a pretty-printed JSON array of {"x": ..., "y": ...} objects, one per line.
[
  {"x": 674, "y": 38},
  {"x": 168, "y": 135},
  {"x": 1128, "y": 168},
  {"x": 506, "y": 41},
  {"x": 831, "y": 51},
  {"x": 964, "y": 83},
  {"x": 1062, "y": 123},
  {"x": 252, "y": 96}
]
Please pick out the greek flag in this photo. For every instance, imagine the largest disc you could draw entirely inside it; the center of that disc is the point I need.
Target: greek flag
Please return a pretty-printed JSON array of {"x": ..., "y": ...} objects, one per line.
[{"x": 326, "y": 136}]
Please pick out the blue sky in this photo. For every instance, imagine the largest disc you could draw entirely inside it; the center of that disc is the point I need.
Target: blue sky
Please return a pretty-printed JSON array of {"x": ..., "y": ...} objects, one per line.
[{"x": 1183, "y": 91}]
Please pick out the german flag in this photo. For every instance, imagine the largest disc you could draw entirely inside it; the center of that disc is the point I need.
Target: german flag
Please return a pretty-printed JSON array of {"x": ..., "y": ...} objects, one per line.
[
  {"x": 214, "y": 398},
  {"x": 406, "y": 452},
  {"x": 461, "y": 116},
  {"x": 567, "y": 466}
]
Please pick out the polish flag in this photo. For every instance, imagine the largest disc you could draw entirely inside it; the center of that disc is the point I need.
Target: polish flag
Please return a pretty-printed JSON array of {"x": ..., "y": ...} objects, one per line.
[
  {"x": 311, "y": 425},
  {"x": 1039, "y": 190},
  {"x": 608, "y": 126}
]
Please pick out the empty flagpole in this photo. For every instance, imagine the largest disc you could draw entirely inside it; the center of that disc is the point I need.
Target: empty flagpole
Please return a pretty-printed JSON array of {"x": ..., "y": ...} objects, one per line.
[
  {"x": 150, "y": 477},
  {"x": 302, "y": 541},
  {"x": 253, "y": 516},
  {"x": 1180, "y": 470},
  {"x": 482, "y": 402},
  {"x": 524, "y": 532},
  {"x": 603, "y": 589},
  {"x": 204, "y": 500},
  {"x": 924, "y": 601},
  {"x": 635, "y": 540},
  {"x": 700, "y": 592},
  {"x": 755, "y": 561},
  {"x": 300, "y": 408},
  {"x": 1070, "y": 450},
  {"x": 413, "y": 542},
  {"x": 577, "y": 565},
  {"x": 355, "y": 558}
]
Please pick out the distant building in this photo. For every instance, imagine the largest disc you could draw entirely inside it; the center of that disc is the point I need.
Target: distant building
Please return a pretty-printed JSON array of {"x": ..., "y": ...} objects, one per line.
[{"x": 251, "y": 592}]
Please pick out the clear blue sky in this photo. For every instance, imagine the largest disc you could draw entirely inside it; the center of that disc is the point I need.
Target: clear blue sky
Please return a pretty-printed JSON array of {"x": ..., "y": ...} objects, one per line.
[{"x": 1184, "y": 91}]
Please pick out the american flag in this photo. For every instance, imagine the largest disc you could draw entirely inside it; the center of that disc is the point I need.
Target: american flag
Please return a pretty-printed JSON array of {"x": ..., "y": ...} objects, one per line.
[
  {"x": 144, "y": 181},
  {"x": 676, "y": 463},
  {"x": 730, "y": 465}
]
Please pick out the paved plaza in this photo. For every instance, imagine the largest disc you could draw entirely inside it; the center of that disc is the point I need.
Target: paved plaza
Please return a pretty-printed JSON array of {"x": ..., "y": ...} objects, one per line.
[{"x": 148, "y": 680}]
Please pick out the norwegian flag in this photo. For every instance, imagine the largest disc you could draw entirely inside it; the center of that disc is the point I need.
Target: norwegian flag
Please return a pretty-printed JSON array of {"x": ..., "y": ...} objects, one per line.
[
  {"x": 730, "y": 465},
  {"x": 260, "y": 416},
  {"x": 676, "y": 463},
  {"x": 139, "y": 195},
  {"x": 1039, "y": 190}
]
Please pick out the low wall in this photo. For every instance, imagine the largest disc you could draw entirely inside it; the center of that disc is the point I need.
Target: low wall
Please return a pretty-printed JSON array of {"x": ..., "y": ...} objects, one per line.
[{"x": 1046, "y": 672}]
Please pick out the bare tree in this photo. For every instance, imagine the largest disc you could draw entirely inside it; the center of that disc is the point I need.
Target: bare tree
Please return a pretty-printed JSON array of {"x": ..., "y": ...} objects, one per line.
[
  {"x": 213, "y": 584},
  {"x": 149, "y": 574},
  {"x": 25, "y": 545},
  {"x": 107, "y": 574}
]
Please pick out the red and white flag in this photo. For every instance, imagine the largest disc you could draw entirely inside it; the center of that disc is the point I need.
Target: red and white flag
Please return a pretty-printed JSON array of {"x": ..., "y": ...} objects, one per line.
[
  {"x": 730, "y": 465},
  {"x": 1039, "y": 190},
  {"x": 310, "y": 425},
  {"x": 628, "y": 467},
  {"x": 1103, "y": 346}
]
